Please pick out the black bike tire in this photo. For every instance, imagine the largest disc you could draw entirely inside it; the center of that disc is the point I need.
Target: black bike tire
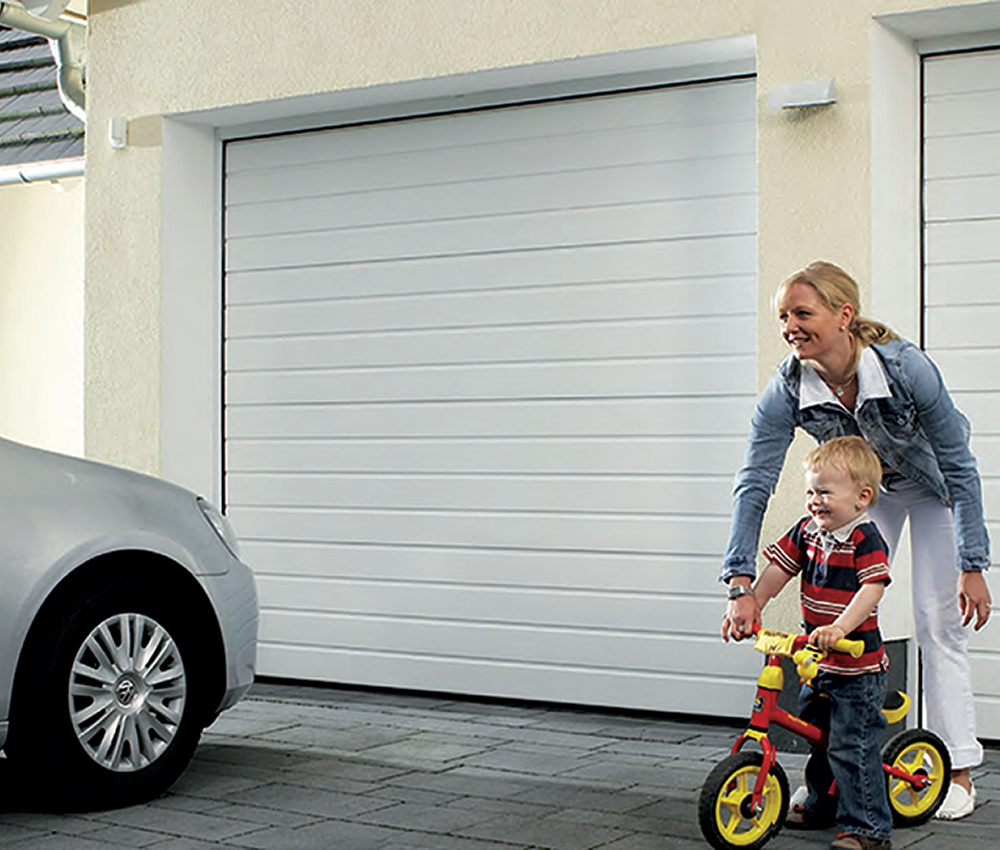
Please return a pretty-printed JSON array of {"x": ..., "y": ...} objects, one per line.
[{"x": 713, "y": 786}]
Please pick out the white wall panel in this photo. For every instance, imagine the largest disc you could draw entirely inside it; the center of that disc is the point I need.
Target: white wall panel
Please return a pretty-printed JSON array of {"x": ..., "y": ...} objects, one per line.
[
  {"x": 710, "y": 260},
  {"x": 962, "y": 297},
  {"x": 680, "y": 126},
  {"x": 566, "y": 456},
  {"x": 598, "y": 571},
  {"x": 559, "y": 305},
  {"x": 488, "y": 376},
  {"x": 567, "y": 418},
  {"x": 587, "y": 493}
]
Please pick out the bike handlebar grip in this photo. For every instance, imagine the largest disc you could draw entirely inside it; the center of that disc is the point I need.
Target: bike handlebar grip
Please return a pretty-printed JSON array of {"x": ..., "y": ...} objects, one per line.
[{"x": 854, "y": 648}]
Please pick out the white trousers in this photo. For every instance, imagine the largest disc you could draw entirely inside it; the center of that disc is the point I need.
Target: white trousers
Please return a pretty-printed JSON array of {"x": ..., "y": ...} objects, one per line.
[{"x": 951, "y": 712}]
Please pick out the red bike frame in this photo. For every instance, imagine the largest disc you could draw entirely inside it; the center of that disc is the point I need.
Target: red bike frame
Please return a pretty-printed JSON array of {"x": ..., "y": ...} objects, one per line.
[{"x": 766, "y": 712}]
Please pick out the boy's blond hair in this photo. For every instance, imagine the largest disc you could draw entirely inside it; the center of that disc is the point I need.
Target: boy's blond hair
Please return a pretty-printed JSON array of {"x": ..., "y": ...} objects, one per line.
[{"x": 851, "y": 455}]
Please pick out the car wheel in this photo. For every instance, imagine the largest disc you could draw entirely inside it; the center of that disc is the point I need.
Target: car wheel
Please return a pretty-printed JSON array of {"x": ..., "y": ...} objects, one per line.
[{"x": 106, "y": 714}]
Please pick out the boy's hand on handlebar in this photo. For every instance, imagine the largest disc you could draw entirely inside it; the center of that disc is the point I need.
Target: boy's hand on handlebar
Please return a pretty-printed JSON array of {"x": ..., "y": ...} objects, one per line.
[
  {"x": 740, "y": 617},
  {"x": 826, "y": 637}
]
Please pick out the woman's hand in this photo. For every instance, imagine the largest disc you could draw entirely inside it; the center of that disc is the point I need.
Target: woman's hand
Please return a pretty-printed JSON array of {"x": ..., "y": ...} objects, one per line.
[
  {"x": 974, "y": 598},
  {"x": 741, "y": 615}
]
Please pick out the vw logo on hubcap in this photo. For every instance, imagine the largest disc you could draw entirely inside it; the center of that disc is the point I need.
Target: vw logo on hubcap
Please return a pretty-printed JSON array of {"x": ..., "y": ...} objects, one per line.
[{"x": 125, "y": 691}]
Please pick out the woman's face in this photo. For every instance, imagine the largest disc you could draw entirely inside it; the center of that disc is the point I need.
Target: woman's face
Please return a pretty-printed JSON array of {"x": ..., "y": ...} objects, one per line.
[{"x": 809, "y": 327}]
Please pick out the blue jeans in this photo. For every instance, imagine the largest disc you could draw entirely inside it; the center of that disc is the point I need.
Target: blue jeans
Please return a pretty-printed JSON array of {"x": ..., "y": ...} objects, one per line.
[{"x": 851, "y": 708}]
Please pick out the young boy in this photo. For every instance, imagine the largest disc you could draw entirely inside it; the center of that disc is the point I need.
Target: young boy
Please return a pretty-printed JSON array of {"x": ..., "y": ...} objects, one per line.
[{"x": 843, "y": 563}]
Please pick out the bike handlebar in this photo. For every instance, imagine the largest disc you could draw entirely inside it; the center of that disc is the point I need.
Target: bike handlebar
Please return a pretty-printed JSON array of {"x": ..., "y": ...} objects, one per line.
[
  {"x": 854, "y": 648},
  {"x": 773, "y": 642}
]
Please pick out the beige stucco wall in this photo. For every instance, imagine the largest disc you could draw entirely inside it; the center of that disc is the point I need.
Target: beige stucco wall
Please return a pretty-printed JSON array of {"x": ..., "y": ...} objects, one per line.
[
  {"x": 159, "y": 57},
  {"x": 41, "y": 314}
]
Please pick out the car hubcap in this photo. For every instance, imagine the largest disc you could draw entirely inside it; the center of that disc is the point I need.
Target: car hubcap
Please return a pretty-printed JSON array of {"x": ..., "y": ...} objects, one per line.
[{"x": 126, "y": 692}]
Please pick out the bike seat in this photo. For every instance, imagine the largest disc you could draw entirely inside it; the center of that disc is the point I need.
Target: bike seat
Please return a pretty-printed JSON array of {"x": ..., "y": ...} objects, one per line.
[{"x": 896, "y": 706}]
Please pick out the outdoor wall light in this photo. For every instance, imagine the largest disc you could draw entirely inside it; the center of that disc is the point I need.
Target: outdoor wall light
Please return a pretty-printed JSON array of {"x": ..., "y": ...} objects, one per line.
[
  {"x": 807, "y": 93},
  {"x": 118, "y": 132}
]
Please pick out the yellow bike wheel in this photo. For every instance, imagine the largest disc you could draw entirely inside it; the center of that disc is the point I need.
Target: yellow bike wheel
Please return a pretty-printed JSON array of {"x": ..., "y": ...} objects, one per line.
[
  {"x": 725, "y": 814},
  {"x": 920, "y": 753}
]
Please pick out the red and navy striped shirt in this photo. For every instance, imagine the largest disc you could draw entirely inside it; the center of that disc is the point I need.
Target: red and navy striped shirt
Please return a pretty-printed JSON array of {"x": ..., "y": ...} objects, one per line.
[{"x": 833, "y": 566}]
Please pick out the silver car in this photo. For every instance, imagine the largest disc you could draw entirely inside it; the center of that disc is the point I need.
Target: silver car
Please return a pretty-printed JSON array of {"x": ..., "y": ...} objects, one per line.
[{"x": 127, "y": 623}]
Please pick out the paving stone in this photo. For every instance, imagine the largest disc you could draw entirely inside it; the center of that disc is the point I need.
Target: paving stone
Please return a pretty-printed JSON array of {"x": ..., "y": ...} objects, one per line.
[
  {"x": 438, "y": 819},
  {"x": 416, "y": 841},
  {"x": 547, "y": 833},
  {"x": 261, "y": 816},
  {"x": 656, "y": 842},
  {"x": 168, "y": 822},
  {"x": 44, "y": 822},
  {"x": 352, "y": 739},
  {"x": 11, "y": 833},
  {"x": 569, "y": 796},
  {"x": 123, "y": 836},
  {"x": 426, "y": 747},
  {"x": 215, "y": 781},
  {"x": 504, "y": 807},
  {"x": 519, "y": 760},
  {"x": 328, "y": 834},
  {"x": 55, "y": 841},
  {"x": 352, "y": 768},
  {"x": 620, "y": 772},
  {"x": 422, "y": 796},
  {"x": 310, "y": 801},
  {"x": 471, "y": 781}
]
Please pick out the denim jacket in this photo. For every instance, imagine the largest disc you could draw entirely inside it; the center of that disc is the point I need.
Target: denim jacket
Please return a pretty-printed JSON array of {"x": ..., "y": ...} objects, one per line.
[{"x": 917, "y": 431}]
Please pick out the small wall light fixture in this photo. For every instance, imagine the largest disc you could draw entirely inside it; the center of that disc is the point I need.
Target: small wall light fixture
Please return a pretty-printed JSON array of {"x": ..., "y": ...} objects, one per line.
[
  {"x": 118, "y": 132},
  {"x": 807, "y": 93}
]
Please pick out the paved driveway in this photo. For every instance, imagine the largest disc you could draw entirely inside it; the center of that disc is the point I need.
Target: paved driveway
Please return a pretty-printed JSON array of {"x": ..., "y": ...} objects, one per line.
[{"x": 310, "y": 767}]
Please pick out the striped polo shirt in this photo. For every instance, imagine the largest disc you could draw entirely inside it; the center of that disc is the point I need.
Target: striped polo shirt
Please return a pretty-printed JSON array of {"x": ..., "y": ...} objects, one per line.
[{"x": 833, "y": 565}]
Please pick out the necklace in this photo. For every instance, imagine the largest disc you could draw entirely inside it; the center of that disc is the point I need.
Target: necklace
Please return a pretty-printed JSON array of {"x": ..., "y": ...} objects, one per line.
[{"x": 840, "y": 389}]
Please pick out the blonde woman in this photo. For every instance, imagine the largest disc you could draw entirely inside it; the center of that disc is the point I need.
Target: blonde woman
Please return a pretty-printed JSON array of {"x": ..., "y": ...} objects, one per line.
[{"x": 848, "y": 375}]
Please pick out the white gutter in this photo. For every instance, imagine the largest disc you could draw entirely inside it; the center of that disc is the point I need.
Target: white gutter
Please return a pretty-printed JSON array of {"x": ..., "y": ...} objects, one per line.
[
  {"x": 51, "y": 171},
  {"x": 67, "y": 37}
]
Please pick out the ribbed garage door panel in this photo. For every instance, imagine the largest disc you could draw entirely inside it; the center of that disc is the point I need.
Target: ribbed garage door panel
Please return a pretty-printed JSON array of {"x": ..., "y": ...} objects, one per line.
[
  {"x": 488, "y": 377},
  {"x": 962, "y": 295}
]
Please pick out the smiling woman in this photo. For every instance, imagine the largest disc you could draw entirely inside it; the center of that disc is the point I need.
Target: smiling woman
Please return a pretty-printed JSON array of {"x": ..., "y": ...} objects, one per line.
[
  {"x": 817, "y": 333},
  {"x": 848, "y": 375}
]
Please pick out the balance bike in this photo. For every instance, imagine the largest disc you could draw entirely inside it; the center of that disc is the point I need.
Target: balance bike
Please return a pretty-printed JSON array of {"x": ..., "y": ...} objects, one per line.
[{"x": 744, "y": 800}]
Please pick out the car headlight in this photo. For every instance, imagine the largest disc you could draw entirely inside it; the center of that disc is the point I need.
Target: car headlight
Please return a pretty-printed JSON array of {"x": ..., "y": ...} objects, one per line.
[{"x": 220, "y": 524}]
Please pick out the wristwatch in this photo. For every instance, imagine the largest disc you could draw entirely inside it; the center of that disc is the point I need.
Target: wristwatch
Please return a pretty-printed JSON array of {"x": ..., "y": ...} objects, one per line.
[{"x": 738, "y": 590}]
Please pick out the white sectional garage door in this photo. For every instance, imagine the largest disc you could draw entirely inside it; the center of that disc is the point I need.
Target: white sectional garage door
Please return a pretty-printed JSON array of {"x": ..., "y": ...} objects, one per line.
[
  {"x": 962, "y": 286},
  {"x": 488, "y": 378}
]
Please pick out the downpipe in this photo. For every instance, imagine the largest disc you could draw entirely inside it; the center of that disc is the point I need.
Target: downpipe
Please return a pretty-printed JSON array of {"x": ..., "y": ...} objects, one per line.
[{"x": 67, "y": 37}]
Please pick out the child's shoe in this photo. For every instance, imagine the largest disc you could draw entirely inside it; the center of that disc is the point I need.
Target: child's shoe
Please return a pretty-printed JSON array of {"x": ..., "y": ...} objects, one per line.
[
  {"x": 850, "y": 841},
  {"x": 799, "y": 817}
]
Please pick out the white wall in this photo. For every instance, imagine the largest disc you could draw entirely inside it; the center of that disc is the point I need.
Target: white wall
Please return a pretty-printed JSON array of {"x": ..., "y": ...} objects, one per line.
[{"x": 41, "y": 314}]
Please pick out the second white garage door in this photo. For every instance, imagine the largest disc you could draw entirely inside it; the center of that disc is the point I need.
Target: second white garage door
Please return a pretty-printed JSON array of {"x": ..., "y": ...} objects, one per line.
[
  {"x": 962, "y": 294},
  {"x": 488, "y": 378}
]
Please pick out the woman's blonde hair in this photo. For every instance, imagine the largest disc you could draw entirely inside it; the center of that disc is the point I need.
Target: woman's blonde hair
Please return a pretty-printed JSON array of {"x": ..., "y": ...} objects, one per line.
[
  {"x": 852, "y": 456},
  {"x": 836, "y": 288}
]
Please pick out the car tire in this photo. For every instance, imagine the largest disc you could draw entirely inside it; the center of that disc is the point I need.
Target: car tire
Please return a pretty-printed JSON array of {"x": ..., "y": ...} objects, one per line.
[{"x": 105, "y": 712}]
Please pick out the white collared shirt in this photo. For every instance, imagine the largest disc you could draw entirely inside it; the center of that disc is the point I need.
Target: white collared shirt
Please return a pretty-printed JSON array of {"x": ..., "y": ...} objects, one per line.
[{"x": 872, "y": 383}]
